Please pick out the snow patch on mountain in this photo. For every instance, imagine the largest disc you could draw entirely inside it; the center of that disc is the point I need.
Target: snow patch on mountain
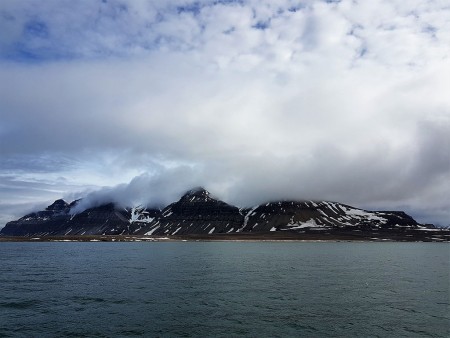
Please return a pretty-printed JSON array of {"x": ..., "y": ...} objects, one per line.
[
  {"x": 247, "y": 216},
  {"x": 311, "y": 223},
  {"x": 140, "y": 214}
]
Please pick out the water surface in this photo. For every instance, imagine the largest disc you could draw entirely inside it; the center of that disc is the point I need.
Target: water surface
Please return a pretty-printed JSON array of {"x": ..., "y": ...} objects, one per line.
[{"x": 197, "y": 289}]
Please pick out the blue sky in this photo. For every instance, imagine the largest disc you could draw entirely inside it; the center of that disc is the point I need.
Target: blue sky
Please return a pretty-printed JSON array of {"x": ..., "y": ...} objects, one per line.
[{"x": 255, "y": 100}]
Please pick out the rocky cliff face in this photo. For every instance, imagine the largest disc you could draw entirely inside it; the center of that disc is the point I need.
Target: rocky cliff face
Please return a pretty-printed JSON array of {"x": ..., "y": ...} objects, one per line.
[{"x": 197, "y": 212}]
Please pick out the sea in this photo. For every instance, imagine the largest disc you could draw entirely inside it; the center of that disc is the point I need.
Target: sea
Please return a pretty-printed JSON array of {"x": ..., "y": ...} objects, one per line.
[{"x": 224, "y": 289}]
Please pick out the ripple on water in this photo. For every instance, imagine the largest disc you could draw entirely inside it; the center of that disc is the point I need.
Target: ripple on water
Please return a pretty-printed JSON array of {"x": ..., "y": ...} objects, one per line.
[{"x": 20, "y": 305}]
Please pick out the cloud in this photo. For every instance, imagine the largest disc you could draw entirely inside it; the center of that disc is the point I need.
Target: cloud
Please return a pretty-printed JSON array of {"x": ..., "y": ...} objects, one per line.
[
  {"x": 253, "y": 100},
  {"x": 154, "y": 191}
]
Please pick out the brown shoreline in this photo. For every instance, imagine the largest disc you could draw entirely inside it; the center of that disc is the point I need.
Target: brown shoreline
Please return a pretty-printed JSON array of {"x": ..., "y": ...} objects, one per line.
[{"x": 310, "y": 236}]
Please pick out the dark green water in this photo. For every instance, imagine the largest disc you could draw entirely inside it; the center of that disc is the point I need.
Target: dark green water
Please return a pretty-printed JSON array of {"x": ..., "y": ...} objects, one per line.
[{"x": 205, "y": 289}]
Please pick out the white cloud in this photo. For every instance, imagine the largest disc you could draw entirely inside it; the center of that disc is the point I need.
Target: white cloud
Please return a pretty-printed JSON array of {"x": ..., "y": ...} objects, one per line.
[{"x": 345, "y": 100}]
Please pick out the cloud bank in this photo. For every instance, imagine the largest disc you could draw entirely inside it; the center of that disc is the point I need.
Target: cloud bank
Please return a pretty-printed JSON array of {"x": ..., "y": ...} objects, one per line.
[{"x": 256, "y": 101}]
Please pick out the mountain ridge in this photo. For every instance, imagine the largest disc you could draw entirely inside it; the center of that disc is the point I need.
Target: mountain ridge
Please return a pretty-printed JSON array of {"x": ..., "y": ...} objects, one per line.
[{"x": 198, "y": 212}]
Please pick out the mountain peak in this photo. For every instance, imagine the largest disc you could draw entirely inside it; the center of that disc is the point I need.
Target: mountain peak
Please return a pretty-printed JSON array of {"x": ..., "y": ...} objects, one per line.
[
  {"x": 197, "y": 191},
  {"x": 196, "y": 194},
  {"x": 58, "y": 205}
]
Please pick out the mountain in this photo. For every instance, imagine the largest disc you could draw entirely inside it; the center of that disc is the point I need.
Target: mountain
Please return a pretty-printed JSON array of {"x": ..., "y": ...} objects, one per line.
[
  {"x": 197, "y": 212},
  {"x": 309, "y": 214}
]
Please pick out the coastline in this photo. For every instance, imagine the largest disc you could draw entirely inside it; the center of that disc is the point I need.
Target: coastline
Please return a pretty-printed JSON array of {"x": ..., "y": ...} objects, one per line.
[{"x": 307, "y": 236}]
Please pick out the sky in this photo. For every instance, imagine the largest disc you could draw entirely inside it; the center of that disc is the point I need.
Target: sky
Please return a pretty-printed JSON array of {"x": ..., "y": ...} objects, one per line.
[{"x": 138, "y": 101}]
